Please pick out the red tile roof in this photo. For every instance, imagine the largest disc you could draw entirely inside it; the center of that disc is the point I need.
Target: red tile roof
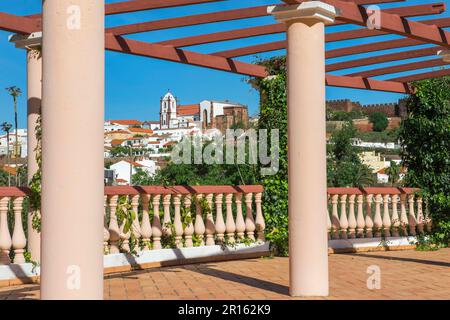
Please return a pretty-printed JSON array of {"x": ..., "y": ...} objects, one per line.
[
  {"x": 188, "y": 110},
  {"x": 127, "y": 122},
  {"x": 134, "y": 164},
  {"x": 140, "y": 130}
]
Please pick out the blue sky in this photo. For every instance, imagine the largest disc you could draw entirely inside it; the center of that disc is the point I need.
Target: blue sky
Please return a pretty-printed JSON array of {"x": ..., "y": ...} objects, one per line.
[{"x": 134, "y": 85}]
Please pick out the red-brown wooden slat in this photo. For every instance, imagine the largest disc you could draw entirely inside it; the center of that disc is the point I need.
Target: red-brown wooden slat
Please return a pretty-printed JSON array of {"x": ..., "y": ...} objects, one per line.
[
  {"x": 422, "y": 76},
  {"x": 400, "y": 68}
]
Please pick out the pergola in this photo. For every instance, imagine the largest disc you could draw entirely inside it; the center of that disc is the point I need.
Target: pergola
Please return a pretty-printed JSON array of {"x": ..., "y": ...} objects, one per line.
[{"x": 72, "y": 73}]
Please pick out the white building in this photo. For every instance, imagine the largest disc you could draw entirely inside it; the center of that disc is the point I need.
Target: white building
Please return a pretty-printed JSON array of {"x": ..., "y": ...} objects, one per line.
[
  {"x": 208, "y": 114},
  {"x": 125, "y": 169},
  {"x": 22, "y": 142}
]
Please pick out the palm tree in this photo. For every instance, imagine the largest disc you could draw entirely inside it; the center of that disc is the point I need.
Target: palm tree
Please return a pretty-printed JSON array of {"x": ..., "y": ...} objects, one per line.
[
  {"x": 394, "y": 173},
  {"x": 15, "y": 92},
  {"x": 6, "y": 127}
]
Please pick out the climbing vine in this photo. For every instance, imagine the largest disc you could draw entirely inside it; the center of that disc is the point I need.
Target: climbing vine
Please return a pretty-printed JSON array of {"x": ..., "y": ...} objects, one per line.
[{"x": 425, "y": 139}]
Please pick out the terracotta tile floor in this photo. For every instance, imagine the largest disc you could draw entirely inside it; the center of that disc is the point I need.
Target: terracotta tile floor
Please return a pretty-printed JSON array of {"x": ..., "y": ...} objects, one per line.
[{"x": 404, "y": 275}]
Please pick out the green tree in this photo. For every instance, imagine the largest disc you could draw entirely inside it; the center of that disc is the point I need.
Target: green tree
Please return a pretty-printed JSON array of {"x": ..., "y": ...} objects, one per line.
[
  {"x": 379, "y": 121},
  {"x": 344, "y": 167},
  {"x": 15, "y": 92},
  {"x": 394, "y": 171},
  {"x": 425, "y": 139}
]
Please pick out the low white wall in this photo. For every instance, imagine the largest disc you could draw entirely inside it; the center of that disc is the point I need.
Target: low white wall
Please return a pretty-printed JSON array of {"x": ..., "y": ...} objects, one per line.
[{"x": 364, "y": 243}]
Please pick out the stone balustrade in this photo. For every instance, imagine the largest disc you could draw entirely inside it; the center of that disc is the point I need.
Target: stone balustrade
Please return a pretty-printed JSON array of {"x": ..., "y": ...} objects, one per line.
[
  {"x": 166, "y": 217},
  {"x": 375, "y": 213},
  {"x": 183, "y": 217}
]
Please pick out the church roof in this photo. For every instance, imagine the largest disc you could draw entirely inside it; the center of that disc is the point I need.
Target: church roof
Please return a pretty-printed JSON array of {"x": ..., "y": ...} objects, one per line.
[{"x": 188, "y": 110}]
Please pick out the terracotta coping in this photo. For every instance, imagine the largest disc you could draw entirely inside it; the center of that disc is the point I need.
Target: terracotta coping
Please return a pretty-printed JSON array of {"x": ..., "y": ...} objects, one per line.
[{"x": 130, "y": 190}]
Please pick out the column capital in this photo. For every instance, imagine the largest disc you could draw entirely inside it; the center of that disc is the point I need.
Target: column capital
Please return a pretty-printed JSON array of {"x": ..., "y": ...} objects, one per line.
[
  {"x": 445, "y": 55},
  {"x": 315, "y": 10},
  {"x": 29, "y": 41}
]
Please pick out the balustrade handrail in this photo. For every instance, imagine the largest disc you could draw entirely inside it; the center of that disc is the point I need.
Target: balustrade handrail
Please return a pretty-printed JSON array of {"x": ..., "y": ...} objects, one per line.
[{"x": 130, "y": 190}]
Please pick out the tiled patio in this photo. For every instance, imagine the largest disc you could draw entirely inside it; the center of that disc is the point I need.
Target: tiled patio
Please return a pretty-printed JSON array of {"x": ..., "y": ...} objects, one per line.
[{"x": 404, "y": 275}]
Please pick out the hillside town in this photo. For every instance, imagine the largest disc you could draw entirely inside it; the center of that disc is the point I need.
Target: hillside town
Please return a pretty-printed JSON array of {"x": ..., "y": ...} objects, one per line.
[{"x": 131, "y": 145}]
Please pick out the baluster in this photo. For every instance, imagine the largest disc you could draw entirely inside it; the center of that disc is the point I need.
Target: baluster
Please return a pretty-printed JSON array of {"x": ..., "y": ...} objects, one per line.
[
  {"x": 377, "y": 220},
  {"x": 125, "y": 237},
  {"x": 260, "y": 223},
  {"x": 19, "y": 241},
  {"x": 240, "y": 223},
  {"x": 167, "y": 231},
  {"x": 403, "y": 215},
  {"x": 177, "y": 224},
  {"x": 220, "y": 224},
  {"x": 199, "y": 226},
  {"x": 395, "y": 218},
  {"x": 5, "y": 236},
  {"x": 351, "y": 216},
  {"x": 343, "y": 222},
  {"x": 114, "y": 231},
  {"x": 412, "y": 218},
  {"x": 136, "y": 228},
  {"x": 189, "y": 229},
  {"x": 368, "y": 219},
  {"x": 230, "y": 225},
  {"x": 334, "y": 216},
  {"x": 210, "y": 228},
  {"x": 386, "y": 217},
  {"x": 105, "y": 227},
  {"x": 360, "y": 221},
  {"x": 420, "y": 219},
  {"x": 328, "y": 219},
  {"x": 249, "y": 220},
  {"x": 156, "y": 225},
  {"x": 428, "y": 222},
  {"x": 146, "y": 227}
]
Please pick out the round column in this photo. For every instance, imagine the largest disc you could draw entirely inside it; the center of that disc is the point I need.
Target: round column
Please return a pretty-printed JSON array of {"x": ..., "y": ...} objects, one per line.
[
  {"x": 308, "y": 243},
  {"x": 34, "y": 92},
  {"x": 72, "y": 149}
]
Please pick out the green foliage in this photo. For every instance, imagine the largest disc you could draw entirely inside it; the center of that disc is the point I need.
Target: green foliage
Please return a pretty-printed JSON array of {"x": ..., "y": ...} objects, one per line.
[
  {"x": 394, "y": 173},
  {"x": 275, "y": 197},
  {"x": 425, "y": 137},
  {"x": 201, "y": 174},
  {"x": 384, "y": 136},
  {"x": 344, "y": 116},
  {"x": 379, "y": 121},
  {"x": 344, "y": 167}
]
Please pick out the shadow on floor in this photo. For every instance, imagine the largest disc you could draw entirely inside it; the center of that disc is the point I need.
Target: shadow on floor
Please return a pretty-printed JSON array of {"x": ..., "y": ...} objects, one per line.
[
  {"x": 19, "y": 293},
  {"x": 242, "y": 279},
  {"x": 404, "y": 259}
]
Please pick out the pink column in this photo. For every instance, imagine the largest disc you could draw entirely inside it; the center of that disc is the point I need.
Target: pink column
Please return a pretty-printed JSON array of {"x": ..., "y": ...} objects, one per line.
[
  {"x": 308, "y": 245},
  {"x": 32, "y": 43},
  {"x": 72, "y": 149}
]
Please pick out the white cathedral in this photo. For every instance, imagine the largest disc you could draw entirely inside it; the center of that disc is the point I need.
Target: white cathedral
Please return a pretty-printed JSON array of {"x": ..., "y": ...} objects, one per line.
[{"x": 206, "y": 114}]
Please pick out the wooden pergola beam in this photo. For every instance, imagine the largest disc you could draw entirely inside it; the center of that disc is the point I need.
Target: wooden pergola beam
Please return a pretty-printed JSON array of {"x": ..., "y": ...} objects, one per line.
[
  {"x": 362, "y": 2},
  {"x": 17, "y": 24},
  {"x": 400, "y": 68},
  {"x": 153, "y": 50},
  {"x": 228, "y": 15},
  {"x": 384, "y": 58},
  {"x": 392, "y": 23},
  {"x": 339, "y": 36},
  {"x": 140, "y": 48},
  {"x": 142, "y": 5},
  {"x": 410, "y": 11},
  {"x": 423, "y": 76},
  {"x": 367, "y": 84}
]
